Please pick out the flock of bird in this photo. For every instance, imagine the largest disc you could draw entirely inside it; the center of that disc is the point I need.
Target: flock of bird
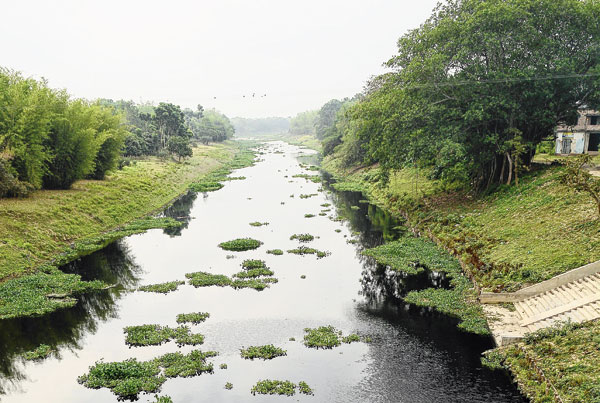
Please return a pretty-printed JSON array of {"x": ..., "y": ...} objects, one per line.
[{"x": 253, "y": 96}]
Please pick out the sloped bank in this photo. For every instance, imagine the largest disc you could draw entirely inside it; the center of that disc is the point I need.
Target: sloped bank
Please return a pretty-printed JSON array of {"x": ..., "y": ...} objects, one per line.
[
  {"x": 505, "y": 241},
  {"x": 52, "y": 228}
]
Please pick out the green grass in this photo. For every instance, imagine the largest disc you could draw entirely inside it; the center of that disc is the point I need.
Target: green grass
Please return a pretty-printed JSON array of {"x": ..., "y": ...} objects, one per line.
[
  {"x": 194, "y": 318},
  {"x": 304, "y": 250},
  {"x": 53, "y": 227},
  {"x": 154, "y": 335},
  {"x": 284, "y": 388},
  {"x": 39, "y": 353},
  {"x": 276, "y": 252},
  {"x": 567, "y": 355},
  {"x": 302, "y": 237},
  {"x": 240, "y": 244},
  {"x": 127, "y": 379},
  {"x": 327, "y": 337},
  {"x": 266, "y": 352},
  {"x": 163, "y": 288}
]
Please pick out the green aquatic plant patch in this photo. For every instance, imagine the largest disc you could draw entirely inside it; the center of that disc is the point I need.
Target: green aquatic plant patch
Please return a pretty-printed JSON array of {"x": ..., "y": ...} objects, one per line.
[
  {"x": 266, "y": 352},
  {"x": 276, "y": 252},
  {"x": 127, "y": 379},
  {"x": 327, "y": 337},
  {"x": 206, "y": 186},
  {"x": 39, "y": 353},
  {"x": 412, "y": 255},
  {"x": 193, "y": 318},
  {"x": 258, "y": 284},
  {"x": 154, "y": 335},
  {"x": 274, "y": 387},
  {"x": 308, "y": 215},
  {"x": 304, "y": 389},
  {"x": 41, "y": 293},
  {"x": 307, "y": 196},
  {"x": 147, "y": 335},
  {"x": 304, "y": 250},
  {"x": 302, "y": 237},
  {"x": 253, "y": 264},
  {"x": 253, "y": 273},
  {"x": 312, "y": 178},
  {"x": 204, "y": 279},
  {"x": 258, "y": 224},
  {"x": 162, "y": 399},
  {"x": 228, "y": 385},
  {"x": 162, "y": 288},
  {"x": 240, "y": 244},
  {"x": 325, "y": 205}
]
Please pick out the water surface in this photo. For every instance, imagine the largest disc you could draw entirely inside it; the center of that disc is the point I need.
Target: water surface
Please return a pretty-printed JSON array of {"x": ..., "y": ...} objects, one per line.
[{"x": 415, "y": 355}]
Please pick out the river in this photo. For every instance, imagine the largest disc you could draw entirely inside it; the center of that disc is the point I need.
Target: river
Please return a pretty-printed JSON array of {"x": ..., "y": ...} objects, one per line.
[{"x": 414, "y": 355}]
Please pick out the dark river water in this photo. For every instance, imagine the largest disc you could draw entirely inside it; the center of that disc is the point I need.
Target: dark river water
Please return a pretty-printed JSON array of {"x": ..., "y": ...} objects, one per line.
[{"x": 415, "y": 355}]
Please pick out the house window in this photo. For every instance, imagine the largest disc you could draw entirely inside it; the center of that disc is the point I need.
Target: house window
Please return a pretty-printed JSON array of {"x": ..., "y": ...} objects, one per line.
[{"x": 594, "y": 120}]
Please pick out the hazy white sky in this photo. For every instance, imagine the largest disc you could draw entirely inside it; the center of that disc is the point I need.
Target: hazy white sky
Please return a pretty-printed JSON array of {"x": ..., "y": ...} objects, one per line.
[{"x": 300, "y": 53}]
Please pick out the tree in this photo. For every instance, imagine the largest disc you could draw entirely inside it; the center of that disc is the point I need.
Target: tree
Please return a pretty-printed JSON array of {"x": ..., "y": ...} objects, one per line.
[
  {"x": 487, "y": 78},
  {"x": 180, "y": 146},
  {"x": 303, "y": 123},
  {"x": 169, "y": 121},
  {"x": 326, "y": 117},
  {"x": 578, "y": 178}
]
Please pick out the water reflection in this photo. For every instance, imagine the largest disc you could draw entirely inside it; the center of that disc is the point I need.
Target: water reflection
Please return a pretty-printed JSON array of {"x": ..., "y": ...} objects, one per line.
[
  {"x": 180, "y": 211},
  {"x": 64, "y": 329}
]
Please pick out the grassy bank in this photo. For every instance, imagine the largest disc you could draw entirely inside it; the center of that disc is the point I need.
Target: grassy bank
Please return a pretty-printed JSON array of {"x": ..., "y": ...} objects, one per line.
[
  {"x": 52, "y": 227},
  {"x": 507, "y": 239},
  {"x": 557, "y": 364},
  {"x": 511, "y": 238}
]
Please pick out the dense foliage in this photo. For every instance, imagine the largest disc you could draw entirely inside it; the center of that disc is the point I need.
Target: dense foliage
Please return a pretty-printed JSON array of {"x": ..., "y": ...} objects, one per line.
[
  {"x": 476, "y": 88},
  {"x": 49, "y": 140}
]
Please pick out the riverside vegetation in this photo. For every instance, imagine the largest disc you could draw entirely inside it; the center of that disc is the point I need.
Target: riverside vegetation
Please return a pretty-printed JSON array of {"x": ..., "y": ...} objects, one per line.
[{"x": 51, "y": 228}]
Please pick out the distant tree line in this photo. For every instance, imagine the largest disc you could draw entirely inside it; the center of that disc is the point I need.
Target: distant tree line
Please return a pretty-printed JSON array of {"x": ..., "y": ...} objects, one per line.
[
  {"x": 260, "y": 126},
  {"x": 48, "y": 140},
  {"x": 167, "y": 129},
  {"x": 474, "y": 90}
]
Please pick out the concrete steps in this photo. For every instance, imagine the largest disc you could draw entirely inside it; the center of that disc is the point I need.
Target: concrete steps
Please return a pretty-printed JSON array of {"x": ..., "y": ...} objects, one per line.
[{"x": 578, "y": 301}]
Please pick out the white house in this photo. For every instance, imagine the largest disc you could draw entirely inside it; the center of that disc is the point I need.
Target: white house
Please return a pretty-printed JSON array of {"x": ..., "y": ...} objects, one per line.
[{"x": 583, "y": 138}]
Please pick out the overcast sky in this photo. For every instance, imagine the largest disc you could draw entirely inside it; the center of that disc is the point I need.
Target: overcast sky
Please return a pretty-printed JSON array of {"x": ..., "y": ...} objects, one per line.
[{"x": 299, "y": 53}]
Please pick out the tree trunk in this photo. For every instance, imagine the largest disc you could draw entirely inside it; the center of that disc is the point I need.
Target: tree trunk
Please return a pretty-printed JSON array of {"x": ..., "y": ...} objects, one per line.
[
  {"x": 516, "y": 169},
  {"x": 502, "y": 170},
  {"x": 509, "y": 168}
]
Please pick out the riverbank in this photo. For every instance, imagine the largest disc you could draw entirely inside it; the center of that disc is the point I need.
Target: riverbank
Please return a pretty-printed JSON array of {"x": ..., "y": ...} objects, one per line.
[
  {"x": 509, "y": 239},
  {"x": 50, "y": 228}
]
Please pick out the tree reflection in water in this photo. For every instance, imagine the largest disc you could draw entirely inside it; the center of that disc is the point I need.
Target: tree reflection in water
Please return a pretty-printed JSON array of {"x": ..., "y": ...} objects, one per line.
[{"x": 63, "y": 329}]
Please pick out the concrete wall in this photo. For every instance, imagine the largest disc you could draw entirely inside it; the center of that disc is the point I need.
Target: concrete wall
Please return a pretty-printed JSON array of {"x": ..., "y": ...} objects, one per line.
[{"x": 579, "y": 142}]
